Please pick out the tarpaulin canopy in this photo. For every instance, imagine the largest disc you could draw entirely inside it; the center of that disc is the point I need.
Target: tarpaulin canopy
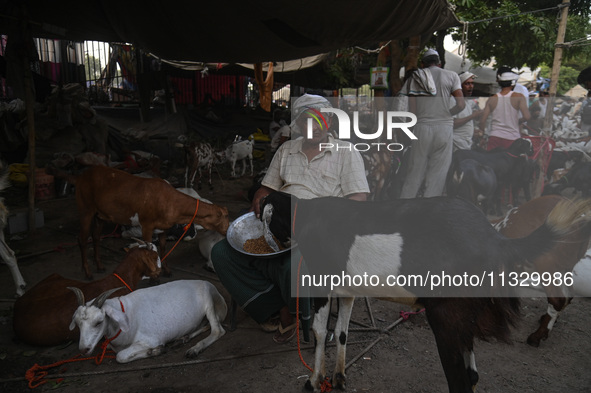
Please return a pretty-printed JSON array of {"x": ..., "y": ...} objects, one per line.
[{"x": 230, "y": 31}]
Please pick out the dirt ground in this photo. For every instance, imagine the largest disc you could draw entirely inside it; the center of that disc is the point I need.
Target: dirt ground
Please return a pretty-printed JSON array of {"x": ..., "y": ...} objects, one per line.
[{"x": 402, "y": 359}]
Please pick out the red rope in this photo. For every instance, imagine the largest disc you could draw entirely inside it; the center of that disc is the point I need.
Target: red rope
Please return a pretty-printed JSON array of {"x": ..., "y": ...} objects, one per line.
[
  {"x": 406, "y": 314},
  {"x": 36, "y": 374},
  {"x": 185, "y": 232}
]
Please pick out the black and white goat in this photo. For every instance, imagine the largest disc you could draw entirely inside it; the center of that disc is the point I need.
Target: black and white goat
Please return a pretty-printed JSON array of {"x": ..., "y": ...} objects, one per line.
[
  {"x": 6, "y": 253},
  {"x": 141, "y": 322},
  {"x": 402, "y": 237}
]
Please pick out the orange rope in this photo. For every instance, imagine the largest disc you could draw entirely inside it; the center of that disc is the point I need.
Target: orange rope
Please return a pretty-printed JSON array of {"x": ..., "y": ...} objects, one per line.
[
  {"x": 124, "y": 283},
  {"x": 295, "y": 209},
  {"x": 185, "y": 232}
]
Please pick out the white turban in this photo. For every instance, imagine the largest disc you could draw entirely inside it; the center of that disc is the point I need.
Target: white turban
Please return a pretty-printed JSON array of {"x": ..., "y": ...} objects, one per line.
[
  {"x": 307, "y": 101},
  {"x": 508, "y": 77}
]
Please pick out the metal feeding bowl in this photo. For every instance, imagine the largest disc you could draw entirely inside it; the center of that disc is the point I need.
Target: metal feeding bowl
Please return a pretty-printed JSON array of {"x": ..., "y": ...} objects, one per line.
[{"x": 248, "y": 227}]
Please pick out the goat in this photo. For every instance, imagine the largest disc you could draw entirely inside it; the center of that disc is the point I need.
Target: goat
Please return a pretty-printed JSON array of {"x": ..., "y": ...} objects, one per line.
[
  {"x": 6, "y": 253},
  {"x": 502, "y": 161},
  {"x": 474, "y": 182},
  {"x": 200, "y": 155},
  {"x": 564, "y": 159},
  {"x": 240, "y": 151},
  {"x": 42, "y": 315},
  {"x": 141, "y": 322},
  {"x": 562, "y": 257},
  {"x": 341, "y": 237},
  {"x": 579, "y": 177},
  {"x": 525, "y": 171},
  {"x": 176, "y": 231},
  {"x": 107, "y": 194}
]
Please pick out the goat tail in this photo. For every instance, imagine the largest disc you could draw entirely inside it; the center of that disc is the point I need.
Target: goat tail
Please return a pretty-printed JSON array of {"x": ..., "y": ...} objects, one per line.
[{"x": 567, "y": 217}]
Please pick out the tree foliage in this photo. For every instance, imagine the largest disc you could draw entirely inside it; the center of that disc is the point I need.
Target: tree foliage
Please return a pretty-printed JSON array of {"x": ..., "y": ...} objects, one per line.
[
  {"x": 526, "y": 39},
  {"x": 567, "y": 79}
]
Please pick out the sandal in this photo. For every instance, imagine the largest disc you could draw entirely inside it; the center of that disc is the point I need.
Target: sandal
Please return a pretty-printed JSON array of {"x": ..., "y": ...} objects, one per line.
[
  {"x": 279, "y": 337},
  {"x": 270, "y": 325}
]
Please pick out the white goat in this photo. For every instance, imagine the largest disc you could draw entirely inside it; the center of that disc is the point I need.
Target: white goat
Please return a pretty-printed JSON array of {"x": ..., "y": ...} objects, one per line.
[
  {"x": 141, "y": 323},
  {"x": 240, "y": 151},
  {"x": 6, "y": 253},
  {"x": 208, "y": 239}
]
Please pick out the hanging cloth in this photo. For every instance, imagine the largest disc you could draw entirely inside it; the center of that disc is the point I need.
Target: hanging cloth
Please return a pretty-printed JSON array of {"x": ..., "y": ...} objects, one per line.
[{"x": 265, "y": 85}]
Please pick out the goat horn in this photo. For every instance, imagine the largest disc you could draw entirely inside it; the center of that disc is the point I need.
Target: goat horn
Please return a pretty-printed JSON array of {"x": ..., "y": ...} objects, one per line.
[
  {"x": 140, "y": 241},
  {"x": 79, "y": 295},
  {"x": 100, "y": 299}
]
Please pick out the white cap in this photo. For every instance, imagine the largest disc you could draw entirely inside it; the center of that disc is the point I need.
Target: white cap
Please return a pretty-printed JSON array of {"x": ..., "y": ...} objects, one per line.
[
  {"x": 430, "y": 52},
  {"x": 464, "y": 76}
]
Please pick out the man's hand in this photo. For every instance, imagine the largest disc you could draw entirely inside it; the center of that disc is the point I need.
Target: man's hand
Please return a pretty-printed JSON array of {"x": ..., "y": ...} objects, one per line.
[{"x": 261, "y": 193}]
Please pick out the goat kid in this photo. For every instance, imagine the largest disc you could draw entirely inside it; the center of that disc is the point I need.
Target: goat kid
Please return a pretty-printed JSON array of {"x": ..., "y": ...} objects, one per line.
[
  {"x": 107, "y": 194},
  {"x": 240, "y": 151},
  {"x": 199, "y": 156},
  {"x": 337, "y": 235},
  {"x": 43, "y": 314},
  {"x": 562, "y": 257},
  {"x": 143, "y": 321},
  {"x": 6, "y": 254}
]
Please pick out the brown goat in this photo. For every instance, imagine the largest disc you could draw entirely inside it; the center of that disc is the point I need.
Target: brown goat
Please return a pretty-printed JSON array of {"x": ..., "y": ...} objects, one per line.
[
  {"x": 43, "y": 314},
  {"x": 562, "y": 257},
  {"x": 107, "y": 194}
]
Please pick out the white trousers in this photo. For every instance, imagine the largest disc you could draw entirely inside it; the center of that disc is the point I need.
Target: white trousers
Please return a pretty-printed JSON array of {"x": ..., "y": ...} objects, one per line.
[{"x": 429, "y": 161}]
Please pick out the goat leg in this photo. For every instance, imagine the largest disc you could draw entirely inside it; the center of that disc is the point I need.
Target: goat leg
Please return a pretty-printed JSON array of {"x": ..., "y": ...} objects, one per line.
[
  {"x": 319, "y": 327},
  {"x": 96, "y": 239},
  {"x": 85, "y": 224},
  {"x": 341, "y": 332},
  {"x": 162, "y": 249}
]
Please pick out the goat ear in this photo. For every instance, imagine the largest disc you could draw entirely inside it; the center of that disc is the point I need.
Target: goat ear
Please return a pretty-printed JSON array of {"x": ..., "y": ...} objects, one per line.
[
  {"x": 118, "y": 316},
  {"x": 73, "y": 323}
]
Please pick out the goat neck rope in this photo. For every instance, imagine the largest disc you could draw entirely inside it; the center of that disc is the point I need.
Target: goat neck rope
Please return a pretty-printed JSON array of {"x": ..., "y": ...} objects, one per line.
[
  {"x": 186, "y": 228},
  {"x": 108, "y": 340},
  {"x": 512, "y": 155},
  {"x": 295, "y": 209},
  {"x": 192, "y": 219},
  {"x": 124, "y": 283}
]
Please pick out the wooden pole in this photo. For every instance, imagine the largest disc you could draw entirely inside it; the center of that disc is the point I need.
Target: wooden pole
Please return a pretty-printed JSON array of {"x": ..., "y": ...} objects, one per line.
[
  {"x": 548, "y": 119},
  {"x": 556, "y": 68},
  {"x": 30, "y": 111}
]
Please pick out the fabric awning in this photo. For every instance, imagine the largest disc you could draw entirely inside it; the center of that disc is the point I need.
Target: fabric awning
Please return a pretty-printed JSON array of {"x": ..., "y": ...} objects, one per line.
[{"x": 231, "y": 31}]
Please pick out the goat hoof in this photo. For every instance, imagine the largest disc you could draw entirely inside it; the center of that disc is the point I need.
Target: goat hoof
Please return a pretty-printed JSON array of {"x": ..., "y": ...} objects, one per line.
[
  {"x": 339, "y": 381},
  {"x": 535, "y": 339},
  {"x": 308, "y": 386}
]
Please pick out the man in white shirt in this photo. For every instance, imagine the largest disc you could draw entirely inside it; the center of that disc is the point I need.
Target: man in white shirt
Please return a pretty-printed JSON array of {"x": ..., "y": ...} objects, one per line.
[
  {"x": 463, "y": 121},
  {"x": 430, "y": 154}
]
